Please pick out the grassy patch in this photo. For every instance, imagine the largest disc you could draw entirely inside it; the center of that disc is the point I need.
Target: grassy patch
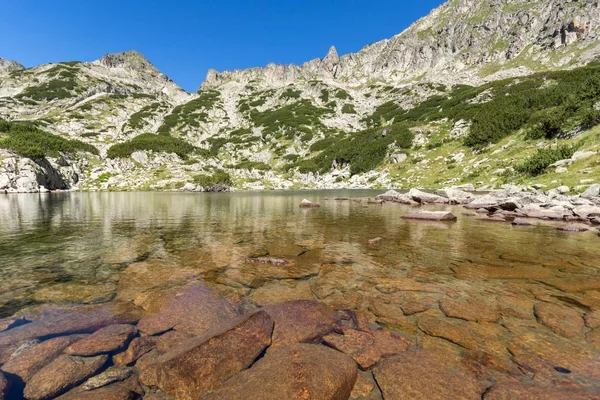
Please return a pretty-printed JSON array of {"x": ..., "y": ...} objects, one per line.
[{"x": 156, "y": 143}]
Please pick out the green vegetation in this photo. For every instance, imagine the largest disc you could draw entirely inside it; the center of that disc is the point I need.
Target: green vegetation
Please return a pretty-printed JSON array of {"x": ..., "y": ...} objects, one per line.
[
  {"x": 250, "y": 165},
  {"x": 301, "y": 116},
  {"x": 219, "y": 177},
  {"x": 156, "y": 143},
  {"x": 291, "y": 94},
  {"x": 324, "y": 95},
  {"x": 137, "y": 120},
  {"x": 342, "y": 94},
  {"x": 543, "y": 158},
  {"x": 348, "y": 109},
  {"x": 28, "y": 140},
  {"x": 191, "y": 113}
]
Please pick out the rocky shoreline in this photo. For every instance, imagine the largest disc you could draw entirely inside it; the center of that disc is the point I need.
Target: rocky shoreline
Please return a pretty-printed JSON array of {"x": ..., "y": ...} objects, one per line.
[{"x": 190, "y": 343}]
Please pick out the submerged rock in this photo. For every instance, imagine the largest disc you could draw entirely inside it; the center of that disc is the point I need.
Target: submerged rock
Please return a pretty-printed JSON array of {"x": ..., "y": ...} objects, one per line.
[
  {"x": 297, "y": 372},
  {"x": 308, "y": 204},
  {"x": 470, "y": 310},
  {"x": 137, "y": 348},
  {"x": 432, "y": 216},
  {"x": 300, "y": 321},
  {"x": 573, "y": 228},
  {"x": 61, "y": 375},
  {"x": 199, "y": 366},
  {"x": 105, "y": 340},
  {"x": 563, "y": 320},
  {"x": 423, "y": 374},
  {"x": 535, "y": 391},
  {"x": 4, "y": 386}
]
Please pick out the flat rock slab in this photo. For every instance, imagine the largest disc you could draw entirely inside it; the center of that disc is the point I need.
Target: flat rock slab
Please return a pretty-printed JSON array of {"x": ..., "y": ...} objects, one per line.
[
  {"x": 198, "y": 367},
  {"x": 297, "y": 372},
  {"x": 421, "y": 374},
  {"x": 28, "y": 363},
  {"x": 300, "y": 321},
  {"x": 86, "y": 320},
  {"x": 367, "y": 348},
  {"x": 61, "y": 375},
  {"x": 563, "y": 320},
  {"x": 8, "y": 323},
  {"x": 470, "y": 310},
  {"x": 533, "y": 391},
  {"x": 573, "y": 228},
  {"x": 195, "y": 310},
  {"x": 105, "y": 340},
  {"x": 431, "y": 216}
]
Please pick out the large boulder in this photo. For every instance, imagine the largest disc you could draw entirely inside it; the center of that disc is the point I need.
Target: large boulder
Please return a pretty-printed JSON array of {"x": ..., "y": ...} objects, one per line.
[
  {"x": 422, "y": 374},
  {"x": 586, "y": 212},
  {"x": 390, "y": 195},
  {"x": 592, "y": 192},
  {"x": 32, "y": 360},
  {"x": 297, "y": 372},
  {"x": 105, "y": 340},
  {"x": 456, "y": 196},
  {"x": 487, "y": 201},
  {"x": 195, "y": 309},
  {"x": 61, "y": 375},
  {"x": 300, "y": 321},
  {"x": 199, "y": 366},
  {"x": 423, "y": 197}
]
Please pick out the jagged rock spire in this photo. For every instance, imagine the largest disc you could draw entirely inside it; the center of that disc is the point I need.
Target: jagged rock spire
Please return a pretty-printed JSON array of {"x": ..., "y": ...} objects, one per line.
[
  {"x": 331, "y": 61},
  {"x": 7, "y": 66}
]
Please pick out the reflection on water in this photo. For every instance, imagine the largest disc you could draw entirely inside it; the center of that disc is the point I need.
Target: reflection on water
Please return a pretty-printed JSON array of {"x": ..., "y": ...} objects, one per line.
[{"x": 93, "y": 247}]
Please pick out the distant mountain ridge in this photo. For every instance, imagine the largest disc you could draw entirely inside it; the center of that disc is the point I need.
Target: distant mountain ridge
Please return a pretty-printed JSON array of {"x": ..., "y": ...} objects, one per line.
[{"x": 406, "y": 111}]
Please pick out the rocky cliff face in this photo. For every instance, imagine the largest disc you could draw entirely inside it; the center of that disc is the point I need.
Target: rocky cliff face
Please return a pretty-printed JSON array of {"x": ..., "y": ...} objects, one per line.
[{"x": 288, "y": 126}]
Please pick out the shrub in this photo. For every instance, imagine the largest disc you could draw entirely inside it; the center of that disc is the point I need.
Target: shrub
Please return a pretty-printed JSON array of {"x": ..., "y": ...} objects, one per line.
[
  {"x": 219, "y": 177},
  {"x": 348, "y": 109},
  {"x": 149, "y": 141},
  {"x": 543, "y": 158},
  {"x": 291, "y": 94},
  {"x": 29, "y": 141}
]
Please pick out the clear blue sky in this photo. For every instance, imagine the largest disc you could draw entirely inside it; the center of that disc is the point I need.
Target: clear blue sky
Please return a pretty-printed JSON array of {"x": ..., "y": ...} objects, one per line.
[{"x": 185, "y": 38}]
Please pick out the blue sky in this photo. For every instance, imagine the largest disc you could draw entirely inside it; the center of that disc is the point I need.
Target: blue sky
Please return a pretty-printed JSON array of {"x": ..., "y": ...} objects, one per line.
[{"x": 185, "y": 38}]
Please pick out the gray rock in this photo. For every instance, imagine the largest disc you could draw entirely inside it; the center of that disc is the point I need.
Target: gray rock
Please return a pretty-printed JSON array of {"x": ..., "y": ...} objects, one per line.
[
  {"x": 592, "y": 192},
  {"x": 424, "y": 197}
]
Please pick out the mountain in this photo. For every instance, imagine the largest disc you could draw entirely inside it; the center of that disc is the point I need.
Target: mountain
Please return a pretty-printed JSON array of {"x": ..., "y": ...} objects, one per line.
[{"x": 476, "y": 92}]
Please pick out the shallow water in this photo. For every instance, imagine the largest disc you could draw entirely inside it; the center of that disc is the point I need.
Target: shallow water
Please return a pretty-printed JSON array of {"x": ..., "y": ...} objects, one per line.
[{"x": 95, "y": 247}]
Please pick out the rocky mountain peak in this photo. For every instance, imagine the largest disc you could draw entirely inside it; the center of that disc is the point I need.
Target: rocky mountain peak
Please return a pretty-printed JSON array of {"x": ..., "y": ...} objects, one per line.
[
  {"x": 7, "y": 66},
  {"x": 128, "y": 60}
]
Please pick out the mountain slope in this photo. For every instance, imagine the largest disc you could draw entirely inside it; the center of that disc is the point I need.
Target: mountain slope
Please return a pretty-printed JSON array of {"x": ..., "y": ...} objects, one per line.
[{"x": 456, "y": 98}]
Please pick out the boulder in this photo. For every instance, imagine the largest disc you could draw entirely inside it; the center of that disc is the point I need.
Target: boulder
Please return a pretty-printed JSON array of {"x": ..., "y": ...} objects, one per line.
[
  {"x": 367, "y": 348},
  {"x": 62, "y": 374},
  {"x": 431, "y": 216},
  {"x": 592, "y": 192},
  {"x": 573, "y": 228},
  {"x": 587, "y": 212},
  {"x": 456, "y": 196},
  {"x": 563, "y": 320},
  {"x": 202, "y": 364},
  {"x": 296, "y": 372},
  {"x": 520, "y": 222},
  {"x": 423, "y": 374},
  {"x": 487, "y": 201},
  {"x": 189, "y": 187},
  {"x": 390, "y": 195},
  {"x": 111, "y": 392},
  {"x": 105, "y": 340},
  {"x": 300, "y": 321},
  {"x": 308, "y": 204},
  {"x": 85, "y": 320},
  {"x": 423, "y": 197},
  {"x": 111, "y": 375},
  {"x": 208, "y": 308},
  {"x": 29, "y": 362}
]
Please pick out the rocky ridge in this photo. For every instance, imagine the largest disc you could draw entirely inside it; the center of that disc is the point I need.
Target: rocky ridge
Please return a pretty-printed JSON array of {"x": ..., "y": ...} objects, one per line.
[{"x": 277, "y": 127}]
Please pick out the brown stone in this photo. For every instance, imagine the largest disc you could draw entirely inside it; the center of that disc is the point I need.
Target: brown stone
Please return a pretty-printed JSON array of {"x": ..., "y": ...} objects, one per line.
[
  {"x": 9, "y": 351},
  {"x": 86, "y": 320},
  {"x": 563, "y": 320},
  {"x": 469, "y": 271},
  {"x": 533, "y": 391},
  {"x": 414, "y": 303},
  {"x": 28, "y": 363},
  {"x": 62, "y": 374},
  {"x": 422, "y": 374},
  {"x": 296, "y": 372},
  {"x": 573, "y": 228},
  {"x": 593, "y": 338},
  {"x": 470, "y": 310},
  {"x": 111, "y": 375},
  {"x": 483, "y": 364},
  {"x": 365, "y": 388},
  {"x": 105, "y": 340},
  {"x": 4, "y": 386},
  {"x": 300, "y": 322},
  {"x": 170, "y": 340},
  {"x": 137, "y": 348},
  {"x": 195, "y": 309},
  {"x": 202, "y": 364},
  {"x": 367, "y": 348},
  {"x": 271, "y": 260},
  {"x": 431, "y": 216},
  {"x": 592, "y": 319},
  {"x": 112, "y": 392},
  {"x": 573, "y": 284}
]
